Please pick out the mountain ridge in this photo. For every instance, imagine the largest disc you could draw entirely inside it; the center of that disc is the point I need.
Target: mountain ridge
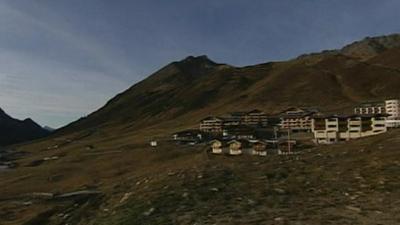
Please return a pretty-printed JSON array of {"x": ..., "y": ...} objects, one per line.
[
  {"x": 197, "y": 86},
  {"x": 13, "y": 131}
]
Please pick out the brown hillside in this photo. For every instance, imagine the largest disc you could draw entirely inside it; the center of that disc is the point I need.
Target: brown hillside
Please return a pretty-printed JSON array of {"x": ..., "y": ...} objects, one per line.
[
  {"x": 125, "y": 181},
  {"x": 196, "y": 87}
]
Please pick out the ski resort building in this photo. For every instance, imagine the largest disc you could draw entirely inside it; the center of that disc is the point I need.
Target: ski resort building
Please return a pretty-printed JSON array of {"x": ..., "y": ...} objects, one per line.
[
  {"x": 390, "y": 107},
  {"x": 212, "y": 124},
  {"x": 259, "y": 148},
  {"x": 335, "y": 128},
  {"x": 236, "y": 147},
  {"x": 217, "y": 146},
  {"x": 297, "y": 119}
]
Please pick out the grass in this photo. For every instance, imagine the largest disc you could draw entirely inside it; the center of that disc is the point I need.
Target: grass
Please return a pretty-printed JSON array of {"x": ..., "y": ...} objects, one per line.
[{"x": 185, "y": 185}]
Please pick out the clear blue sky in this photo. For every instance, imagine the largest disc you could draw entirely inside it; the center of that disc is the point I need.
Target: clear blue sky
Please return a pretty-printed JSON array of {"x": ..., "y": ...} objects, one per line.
[{"x": 62, "y": 59}]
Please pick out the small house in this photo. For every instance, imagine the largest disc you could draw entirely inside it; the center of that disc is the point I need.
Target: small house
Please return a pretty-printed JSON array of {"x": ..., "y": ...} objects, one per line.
[
  {"x": 286, "y": 146},
  {"x": 216, "y": 146},
  {"x": 259, "y": 148},
  {"x": 153, "y": 143},
  {"x": 236, "y": 147}
]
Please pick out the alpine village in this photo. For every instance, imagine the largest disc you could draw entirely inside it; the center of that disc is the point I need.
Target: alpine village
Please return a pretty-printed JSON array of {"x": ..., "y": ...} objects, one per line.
[
  {"x": 306, "y": 141},
  {"x": 256, "y": 133}
]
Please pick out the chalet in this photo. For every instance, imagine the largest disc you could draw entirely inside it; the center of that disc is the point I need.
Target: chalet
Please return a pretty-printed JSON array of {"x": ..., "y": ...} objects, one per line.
[
  {"x": 297, "y": 119},
  {"x": 211, "y": 124},
  {"x": 334, "y": 128},
  {"x": 217, "y": 146},
  {"x": 237, "y": 147},
  {"x": 286, "y": 146},
  {"x": 153, "y": 143},
  {"x": 259, "y": 148}
]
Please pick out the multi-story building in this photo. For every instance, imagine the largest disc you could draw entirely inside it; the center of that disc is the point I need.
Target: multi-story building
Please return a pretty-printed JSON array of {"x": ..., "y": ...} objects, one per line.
[
  {"x": 390, "y": 107},
  {"x": 370, "y": 108},
  {"x": 297, "y": 119},
  {"x": 255, "y": 118},
  {"x": 212, "y": 124},
  {"x": 252, "y": 118},
  {"x": 334, "y": 128}
]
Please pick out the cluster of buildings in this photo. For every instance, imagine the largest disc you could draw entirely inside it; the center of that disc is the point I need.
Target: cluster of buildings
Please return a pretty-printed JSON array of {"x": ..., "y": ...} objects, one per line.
[
  {"x": 389, "y": 107},
  {"x": 236, "y": 133},
  {"x": 251, "y": 147},
  {"x": 255, "y": 132},
  {"x": 334, "y": 128},
  {"x": 370, "y": 118}
]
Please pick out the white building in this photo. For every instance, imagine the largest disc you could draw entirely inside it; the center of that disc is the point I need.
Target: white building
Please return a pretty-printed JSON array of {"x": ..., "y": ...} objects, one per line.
[
  {"x": 237, "y": 147},
  {"x": 331, "y": 129},
  {"x": 217, "y": 146},
  {"x": 370, "y": 108},
  {"x": 390, "y": 107}
]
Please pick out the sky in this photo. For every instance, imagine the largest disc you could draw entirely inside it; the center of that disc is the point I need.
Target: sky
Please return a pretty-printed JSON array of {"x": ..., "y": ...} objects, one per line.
[{"x": 63, "y": 59}]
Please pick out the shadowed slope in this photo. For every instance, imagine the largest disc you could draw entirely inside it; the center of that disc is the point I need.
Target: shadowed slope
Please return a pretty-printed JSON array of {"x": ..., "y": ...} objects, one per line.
[{"x": 13, "y": 131}]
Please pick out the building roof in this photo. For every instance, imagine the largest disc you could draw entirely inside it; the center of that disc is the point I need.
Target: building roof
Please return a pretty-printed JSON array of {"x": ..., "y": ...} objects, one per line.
[
  {"x": 190, "y": 132},
  {"x": 212, "y": 118},
  {"x": 372, "y": 104},
  {"x": 345, "y": 116},
  {"x": 256, "y": 111},
  {"x": 258, "y": 142},
  {"x": 295, "y": 116},
  {"x": 243, "y": 142}
]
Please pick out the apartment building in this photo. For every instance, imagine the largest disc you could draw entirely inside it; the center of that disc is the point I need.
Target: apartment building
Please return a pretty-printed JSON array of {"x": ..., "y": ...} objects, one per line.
[
  {"x": 335, "y": 128},
  {"x": 251, "y": 118},
  {"x": 370, "y": 108},
  {"x": 297, "y": 119},
  {"x": 212, "y": 124},
  {"x": 390, "y": 107},
  {"x": 255, "y": 118}
]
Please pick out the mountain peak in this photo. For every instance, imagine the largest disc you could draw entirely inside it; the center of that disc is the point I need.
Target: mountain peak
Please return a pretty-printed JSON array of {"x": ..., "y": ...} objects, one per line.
[
  {"x": 197, "y": 58},
  {"x": 196, "y": 65},
  {"x": 201, "y": 60}
]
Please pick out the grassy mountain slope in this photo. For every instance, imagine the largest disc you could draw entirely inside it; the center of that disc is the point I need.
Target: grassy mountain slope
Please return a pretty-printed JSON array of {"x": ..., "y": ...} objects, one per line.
[
  {"x": 196, "y": 87},
  {"x": 352, "y": 183}
]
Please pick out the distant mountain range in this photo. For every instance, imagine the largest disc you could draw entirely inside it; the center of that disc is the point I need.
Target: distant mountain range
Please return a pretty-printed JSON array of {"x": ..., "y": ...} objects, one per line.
[
  {"x": 195, "y": 87},
  {"x": 14, "y": 131}
]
